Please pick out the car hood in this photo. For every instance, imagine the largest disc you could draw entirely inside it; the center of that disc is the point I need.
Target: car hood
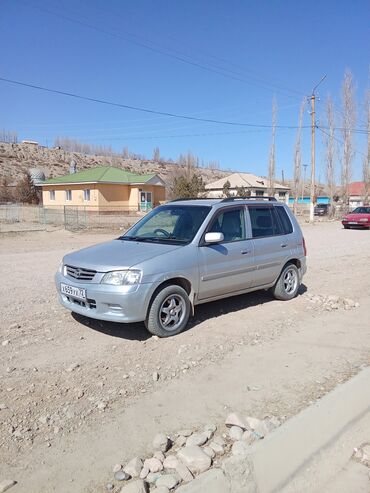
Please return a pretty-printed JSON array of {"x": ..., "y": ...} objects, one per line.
[
  {"x": 357, "y": 217},
  {"x": 116, "y": 254}
]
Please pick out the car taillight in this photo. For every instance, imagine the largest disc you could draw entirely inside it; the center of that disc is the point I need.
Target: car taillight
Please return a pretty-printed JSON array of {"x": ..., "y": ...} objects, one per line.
[{"x": 304, "y": 247}]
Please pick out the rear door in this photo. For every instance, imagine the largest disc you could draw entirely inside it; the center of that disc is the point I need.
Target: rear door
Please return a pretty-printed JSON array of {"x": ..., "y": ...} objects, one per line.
[
  {"x": 228, "y": 266},
  {"x": 273, "y": 241}
]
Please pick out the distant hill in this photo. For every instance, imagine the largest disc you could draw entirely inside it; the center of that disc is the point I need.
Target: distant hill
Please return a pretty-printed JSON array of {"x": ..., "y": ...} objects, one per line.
[{"x": 16, "y": 159}]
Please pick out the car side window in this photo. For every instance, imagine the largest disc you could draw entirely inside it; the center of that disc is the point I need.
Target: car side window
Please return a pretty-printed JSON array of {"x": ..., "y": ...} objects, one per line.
[
  {"x": 264, "y": 222},
  {"x": 284, "y": 219},
  {"x": 231, "y": 223}
]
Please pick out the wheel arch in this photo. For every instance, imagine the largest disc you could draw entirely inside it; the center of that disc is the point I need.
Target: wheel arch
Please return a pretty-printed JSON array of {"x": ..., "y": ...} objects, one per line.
[{"x": 175, "y": 281}]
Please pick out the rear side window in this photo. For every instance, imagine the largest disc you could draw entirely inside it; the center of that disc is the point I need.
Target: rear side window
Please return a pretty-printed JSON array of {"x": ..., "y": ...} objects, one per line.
[
  {"x": 264, "y": 221},
  {"x": 284, "y": 219}
]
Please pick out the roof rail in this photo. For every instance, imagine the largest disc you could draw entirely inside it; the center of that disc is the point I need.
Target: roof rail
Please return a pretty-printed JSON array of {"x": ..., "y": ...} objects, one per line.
[
  {"x": 192, "y": 198},
  {"x": 230, "y": 199}
]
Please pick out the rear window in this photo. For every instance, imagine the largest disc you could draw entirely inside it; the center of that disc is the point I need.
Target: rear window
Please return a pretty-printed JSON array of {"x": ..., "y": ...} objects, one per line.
[
  {"x": 284, "y": 219},
  {"x": 265, "y": 222}
]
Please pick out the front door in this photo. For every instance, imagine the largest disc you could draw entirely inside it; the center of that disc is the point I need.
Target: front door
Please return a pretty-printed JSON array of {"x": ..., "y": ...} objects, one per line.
[
  {"x": 146, "y": 203},
  {"x": 227, "y": 267}
]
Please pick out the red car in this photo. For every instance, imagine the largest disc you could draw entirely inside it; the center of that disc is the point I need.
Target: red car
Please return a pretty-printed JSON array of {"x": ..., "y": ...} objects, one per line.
[{"x": 359, "y": 218}]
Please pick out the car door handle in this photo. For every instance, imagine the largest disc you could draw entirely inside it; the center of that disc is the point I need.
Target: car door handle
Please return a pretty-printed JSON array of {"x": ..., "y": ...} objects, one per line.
[
  {"x": 283, "y": 245},
  {"x": 243, "y": 252}
]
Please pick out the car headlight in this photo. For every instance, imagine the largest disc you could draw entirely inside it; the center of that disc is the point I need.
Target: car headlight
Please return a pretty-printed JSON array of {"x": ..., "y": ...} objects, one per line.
[
  {"x": 60, "y": 268},
  {"x": 122, "y": 277},
  {"x": 363, "y": 220}
]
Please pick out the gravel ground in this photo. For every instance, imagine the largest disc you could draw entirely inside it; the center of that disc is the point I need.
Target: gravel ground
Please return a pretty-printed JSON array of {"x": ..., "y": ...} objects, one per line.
[{"x": 77, "y": 395}]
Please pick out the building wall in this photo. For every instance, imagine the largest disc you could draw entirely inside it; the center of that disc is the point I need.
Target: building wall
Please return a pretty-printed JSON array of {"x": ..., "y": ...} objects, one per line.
[
  {"x": 77, "y": 195},
  {"x": 101, "y": 195},
  {"x": 113, "y": 195}
]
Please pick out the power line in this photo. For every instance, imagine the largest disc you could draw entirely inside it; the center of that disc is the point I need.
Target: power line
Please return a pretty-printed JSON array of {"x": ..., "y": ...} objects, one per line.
[
  {"x": 224, "y": 72},
  {"x": 144, "y": 110},
  {"x": 155, "y": 112},
  {"x": 338, "y": 140}
]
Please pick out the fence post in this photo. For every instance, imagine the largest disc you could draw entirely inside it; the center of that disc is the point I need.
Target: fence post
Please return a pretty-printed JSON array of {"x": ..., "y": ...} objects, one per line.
[{"x": 64, "y": 217}]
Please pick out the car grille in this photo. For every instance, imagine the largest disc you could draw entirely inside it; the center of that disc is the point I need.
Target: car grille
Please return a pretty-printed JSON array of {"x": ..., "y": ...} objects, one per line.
[{"x": 80, "y": 273}]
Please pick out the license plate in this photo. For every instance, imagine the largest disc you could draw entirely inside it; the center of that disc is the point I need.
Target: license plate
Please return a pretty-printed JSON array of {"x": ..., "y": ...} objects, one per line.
[
  {"x": 352, "y": 222},
  {"x": 78, "y": 293}
]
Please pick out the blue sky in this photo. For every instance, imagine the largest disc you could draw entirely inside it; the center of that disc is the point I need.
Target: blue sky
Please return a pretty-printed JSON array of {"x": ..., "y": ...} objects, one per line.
[{"x": 238, "y": 55}]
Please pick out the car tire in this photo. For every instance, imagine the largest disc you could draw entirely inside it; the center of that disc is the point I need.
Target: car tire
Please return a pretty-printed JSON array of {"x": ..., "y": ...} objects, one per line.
[
  {"x": 287, "y": 285},
  {"x": 169, "y": 312},
  {"x": 345, "y": 226}
]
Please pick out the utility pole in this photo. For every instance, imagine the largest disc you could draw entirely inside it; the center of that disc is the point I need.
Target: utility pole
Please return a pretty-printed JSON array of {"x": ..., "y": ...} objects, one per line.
[
  {"x": 304, "y": 178},
  {"x": 313, "y": 129}
]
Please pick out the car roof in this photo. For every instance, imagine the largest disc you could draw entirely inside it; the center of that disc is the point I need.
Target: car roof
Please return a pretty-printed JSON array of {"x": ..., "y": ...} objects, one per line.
[{"x": 226, "y": 201}]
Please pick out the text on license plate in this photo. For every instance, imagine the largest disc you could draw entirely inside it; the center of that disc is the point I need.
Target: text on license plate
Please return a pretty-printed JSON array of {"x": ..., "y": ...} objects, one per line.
[
  {"x": 352, "y": 222},
  {"x": 72, "y": 291}
]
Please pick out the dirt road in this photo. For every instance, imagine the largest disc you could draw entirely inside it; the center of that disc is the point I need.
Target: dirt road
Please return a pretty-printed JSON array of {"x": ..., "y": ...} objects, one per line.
[{"x": 77, "y": 396}]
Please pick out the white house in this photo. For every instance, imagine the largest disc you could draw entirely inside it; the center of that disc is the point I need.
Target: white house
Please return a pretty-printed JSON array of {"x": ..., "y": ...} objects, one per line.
[{"x": 256, "y": 185}]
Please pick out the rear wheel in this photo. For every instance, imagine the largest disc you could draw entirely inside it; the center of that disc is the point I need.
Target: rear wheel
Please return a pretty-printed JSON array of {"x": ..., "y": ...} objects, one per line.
[
  {"x": 169, "y": 312},
  {"x": 286, "y": 287}
]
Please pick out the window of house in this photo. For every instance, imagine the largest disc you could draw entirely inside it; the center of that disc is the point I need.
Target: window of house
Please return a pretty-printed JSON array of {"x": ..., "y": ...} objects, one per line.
[
  {"x": 260, "y": 193},
  {"x": 52, "y": 194},
  {"x": 230, "y": 223},
  {"x": 282, "y": 195},
  {"x": 68, "y": 194},
  {"x": 87, "y": 195},
  {"x": 265, "y": 222}
]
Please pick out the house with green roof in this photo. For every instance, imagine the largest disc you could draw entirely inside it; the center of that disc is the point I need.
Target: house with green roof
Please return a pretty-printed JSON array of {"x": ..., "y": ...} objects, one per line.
[{"x": 104, "y": 188}]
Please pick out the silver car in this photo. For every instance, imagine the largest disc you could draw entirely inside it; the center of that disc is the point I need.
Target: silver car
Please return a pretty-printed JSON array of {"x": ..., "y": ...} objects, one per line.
[{"x": 184, "y": 253}]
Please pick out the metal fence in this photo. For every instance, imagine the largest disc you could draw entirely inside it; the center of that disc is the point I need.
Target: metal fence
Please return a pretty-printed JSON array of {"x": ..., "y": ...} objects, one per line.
[{"x": 17, "y": 217}]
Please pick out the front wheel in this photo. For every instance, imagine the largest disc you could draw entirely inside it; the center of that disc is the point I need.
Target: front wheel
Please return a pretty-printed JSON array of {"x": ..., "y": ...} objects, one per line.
[
  {"x": 345, "y": 226},
  {"x": 169, "y": 312},
  {"x": 286, "y": 287}
]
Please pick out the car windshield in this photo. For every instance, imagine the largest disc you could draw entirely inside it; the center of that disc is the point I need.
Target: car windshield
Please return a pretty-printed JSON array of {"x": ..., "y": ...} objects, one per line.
[
  {"x": 362, "y": 210},
  {"x": 169, "y": 224}
]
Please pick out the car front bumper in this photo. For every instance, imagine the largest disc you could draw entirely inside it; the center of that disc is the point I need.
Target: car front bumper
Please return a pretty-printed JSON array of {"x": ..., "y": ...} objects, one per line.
[
  {"x": 356, "y": 224},
  {"x": 107, "y": 302}
]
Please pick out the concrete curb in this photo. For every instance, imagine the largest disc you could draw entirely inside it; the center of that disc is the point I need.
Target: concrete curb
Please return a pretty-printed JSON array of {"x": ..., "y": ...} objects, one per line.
[{"x": 286, "y": 453}]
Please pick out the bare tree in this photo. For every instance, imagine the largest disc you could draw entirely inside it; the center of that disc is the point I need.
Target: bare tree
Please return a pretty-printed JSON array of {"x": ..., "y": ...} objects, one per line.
[
  {"x": 271, "y": 174},
  {"x": 348, "y": 122},
  {"x": 125, "y": 153},
  {"x": 330, "y": 152},
  {"x": 156, "y": 155},
  {"x": 298, "y": 159},
  {"x": 8, "y": 136},
  {"x": 366, "y": 163}
]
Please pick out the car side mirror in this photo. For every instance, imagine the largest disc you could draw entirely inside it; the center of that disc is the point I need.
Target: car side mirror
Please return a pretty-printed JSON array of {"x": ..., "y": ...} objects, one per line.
[{"x": 213, "y": 237}]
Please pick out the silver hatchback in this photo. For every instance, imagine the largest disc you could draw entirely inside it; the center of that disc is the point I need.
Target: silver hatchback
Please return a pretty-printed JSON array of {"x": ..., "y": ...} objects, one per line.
[{"x": 184, "y": 253}]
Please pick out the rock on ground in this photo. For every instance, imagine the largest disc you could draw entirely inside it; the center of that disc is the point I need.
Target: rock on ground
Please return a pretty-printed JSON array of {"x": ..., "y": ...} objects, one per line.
[
  {"x": 134, "y": 467},
  {"x": 234, "y": 419},
  {"x": 212, "y": 481},
  {"x": 197, "y": 439},
  {"x": 6, "y": 484},
  {"x": 161, "y": 442},
  {"x": 170, "y": 462},
  {"x": 167, "y": 480},
  {"x": 137, "y": 486},
  {"x": 184, "y": 472},
  {"x": 194, "y": 459},
  {"x": 238, "y": 471},
  {"x": 161, "y": 489},
  {"x": 236, "y": 433},
  {"x": 153, "y": 464},
  {"x": 239, "y": 447}
]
